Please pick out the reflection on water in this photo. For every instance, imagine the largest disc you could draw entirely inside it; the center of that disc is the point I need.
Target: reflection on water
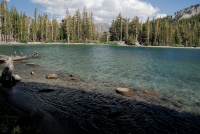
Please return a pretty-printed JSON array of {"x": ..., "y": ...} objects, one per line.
[{"x": 174, "y": 72}]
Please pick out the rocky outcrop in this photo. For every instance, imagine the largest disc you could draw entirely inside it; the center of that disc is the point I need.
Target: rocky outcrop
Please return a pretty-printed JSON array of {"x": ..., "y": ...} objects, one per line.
[
  {"x": 102, "y": 27},
  {"x": 187, "y": 12}
]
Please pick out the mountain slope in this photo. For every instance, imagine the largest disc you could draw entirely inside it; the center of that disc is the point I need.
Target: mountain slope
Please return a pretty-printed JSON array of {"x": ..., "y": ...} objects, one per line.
[
  {"x": 102, "y": 27},
  {"x": 187, "y": 12}
]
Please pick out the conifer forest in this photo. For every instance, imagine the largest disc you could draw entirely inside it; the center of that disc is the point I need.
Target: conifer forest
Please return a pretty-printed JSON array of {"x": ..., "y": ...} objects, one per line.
[{"x": 80, "y": 28}]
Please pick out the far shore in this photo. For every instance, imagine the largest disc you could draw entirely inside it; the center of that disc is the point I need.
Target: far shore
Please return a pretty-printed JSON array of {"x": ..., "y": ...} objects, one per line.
[
  {"x": 169, "y": 47},
  {"x": 38, "y": 43}
]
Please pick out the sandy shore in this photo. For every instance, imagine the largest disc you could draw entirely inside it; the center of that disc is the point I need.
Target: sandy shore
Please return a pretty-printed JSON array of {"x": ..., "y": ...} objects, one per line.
[
  {"x": 68, "y": 105},
  {"x": 39, "y": 43}
]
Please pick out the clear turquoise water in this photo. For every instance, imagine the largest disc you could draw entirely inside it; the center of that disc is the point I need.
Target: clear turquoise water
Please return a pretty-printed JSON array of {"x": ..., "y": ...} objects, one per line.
[{"x": 174, "y": 72}]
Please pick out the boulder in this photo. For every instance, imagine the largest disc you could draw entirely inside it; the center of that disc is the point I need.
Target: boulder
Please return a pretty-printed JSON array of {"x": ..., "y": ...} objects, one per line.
[
  {"x": 52, "y": 76},
  {"x": 33, "y": 73},
  {"x": 125, "y": 92}
]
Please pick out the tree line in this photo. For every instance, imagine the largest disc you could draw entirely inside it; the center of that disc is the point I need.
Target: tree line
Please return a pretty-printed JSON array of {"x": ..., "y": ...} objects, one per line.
[
  {"x": 18, "y": 27},
  {"x": 157, "y": 32},
  {"x": 80, "y": 28}
]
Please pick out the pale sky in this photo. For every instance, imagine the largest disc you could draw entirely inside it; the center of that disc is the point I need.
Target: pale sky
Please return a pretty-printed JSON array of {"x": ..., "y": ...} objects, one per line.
[{"x": 104, "y": 10}]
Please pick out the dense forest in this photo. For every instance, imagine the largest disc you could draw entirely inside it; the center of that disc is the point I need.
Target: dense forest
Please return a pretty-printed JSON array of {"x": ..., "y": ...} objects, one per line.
[
  {"x": 18, "y": 27},
  {"x": 166, "y": 31},
  {"x": 80, "y": 28}
]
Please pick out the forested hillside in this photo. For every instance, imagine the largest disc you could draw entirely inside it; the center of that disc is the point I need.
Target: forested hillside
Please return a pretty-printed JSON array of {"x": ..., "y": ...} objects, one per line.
[
  {"x": 168, "y": 31},
  {"x": 18, "y": 27}
]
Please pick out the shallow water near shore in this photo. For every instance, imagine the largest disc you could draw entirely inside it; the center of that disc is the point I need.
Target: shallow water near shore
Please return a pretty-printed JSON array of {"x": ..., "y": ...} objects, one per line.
[{"x": 170, "y": 71}]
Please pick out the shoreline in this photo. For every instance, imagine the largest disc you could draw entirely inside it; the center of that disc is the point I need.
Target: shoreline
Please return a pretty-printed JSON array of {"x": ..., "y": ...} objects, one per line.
[
  {"x": 87, "y": 107},
  {"x": 169, "y": 47},
  {"x": 60, "y": 43}
]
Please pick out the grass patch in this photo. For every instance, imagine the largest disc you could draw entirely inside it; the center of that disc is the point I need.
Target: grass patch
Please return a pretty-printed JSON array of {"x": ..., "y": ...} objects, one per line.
[{"x": 18, "y": 125}]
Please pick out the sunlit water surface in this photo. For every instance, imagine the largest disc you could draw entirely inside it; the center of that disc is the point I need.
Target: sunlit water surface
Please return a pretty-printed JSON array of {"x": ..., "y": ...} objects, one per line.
[{"x": 171, "y": 71}]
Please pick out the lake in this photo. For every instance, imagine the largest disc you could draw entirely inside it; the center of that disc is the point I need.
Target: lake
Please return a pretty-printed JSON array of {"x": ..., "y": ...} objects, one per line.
[{"x": 170, "y": 71}]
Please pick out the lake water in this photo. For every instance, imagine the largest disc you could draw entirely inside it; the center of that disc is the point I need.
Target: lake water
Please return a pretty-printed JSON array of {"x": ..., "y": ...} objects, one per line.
[{"x": 171, "y": 71}]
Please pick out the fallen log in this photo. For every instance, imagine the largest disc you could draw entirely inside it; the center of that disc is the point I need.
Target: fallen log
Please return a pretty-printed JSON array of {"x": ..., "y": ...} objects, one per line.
[
  {"x": 4, "y": 58},
  {"x": 18, "y": 58}
]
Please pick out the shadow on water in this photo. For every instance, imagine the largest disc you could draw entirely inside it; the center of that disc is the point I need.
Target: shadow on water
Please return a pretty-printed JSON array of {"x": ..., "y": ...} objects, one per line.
[{"x": 77, "y": 111}]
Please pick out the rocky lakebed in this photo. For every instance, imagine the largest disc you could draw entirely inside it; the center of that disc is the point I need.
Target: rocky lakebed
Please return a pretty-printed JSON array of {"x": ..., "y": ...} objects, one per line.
[{"x": 70, "y": 104}]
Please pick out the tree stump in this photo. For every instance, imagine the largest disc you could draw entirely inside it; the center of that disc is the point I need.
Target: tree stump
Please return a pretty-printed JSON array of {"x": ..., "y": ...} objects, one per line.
[{"x": 6, "y": 77}]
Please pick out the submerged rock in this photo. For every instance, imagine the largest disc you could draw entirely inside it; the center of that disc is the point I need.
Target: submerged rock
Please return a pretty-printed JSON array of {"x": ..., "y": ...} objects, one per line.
[
  {"x": 149, "y": 92},
  {"x": 52, "y": 76},
  {"x": 75, "y": 79},
  {"x": 35, "y": 55},
  {"x": 125, "y": 92},
  {"x": 31, "y": 64}
]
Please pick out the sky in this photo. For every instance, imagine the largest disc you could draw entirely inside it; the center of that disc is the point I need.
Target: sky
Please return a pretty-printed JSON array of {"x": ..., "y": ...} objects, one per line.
[{"x": 104, "y": 11}]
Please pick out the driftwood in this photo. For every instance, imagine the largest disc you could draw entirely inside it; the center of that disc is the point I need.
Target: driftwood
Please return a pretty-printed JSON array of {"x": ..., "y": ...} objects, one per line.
[
  {"x": 17, "y": 58},
  {"x": 4, "y": 58}
]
